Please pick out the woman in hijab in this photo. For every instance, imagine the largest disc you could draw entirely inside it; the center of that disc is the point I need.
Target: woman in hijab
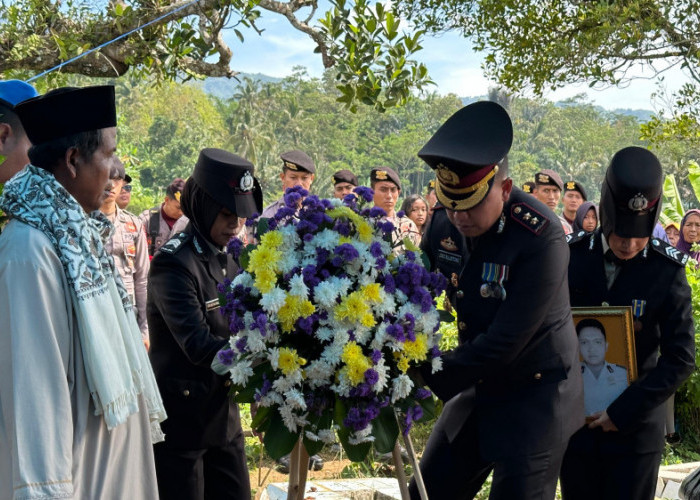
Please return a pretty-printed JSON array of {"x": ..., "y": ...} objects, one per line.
[
  {"x": 690, "y": 233},
  {"x": 203, "y": 455},
  {"x": 586, "y": 217}
]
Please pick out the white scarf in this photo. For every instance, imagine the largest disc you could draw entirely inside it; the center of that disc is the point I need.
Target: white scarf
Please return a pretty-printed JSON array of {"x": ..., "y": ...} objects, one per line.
[{"x": 116, "y": 363}]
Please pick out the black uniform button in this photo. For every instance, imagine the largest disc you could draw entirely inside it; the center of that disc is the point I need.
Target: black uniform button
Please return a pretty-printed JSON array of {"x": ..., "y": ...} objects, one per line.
[
  {"x": 462, "y": 325},
  {"x": 186, "y": 392},
  {"x": 538, "y": 376}
]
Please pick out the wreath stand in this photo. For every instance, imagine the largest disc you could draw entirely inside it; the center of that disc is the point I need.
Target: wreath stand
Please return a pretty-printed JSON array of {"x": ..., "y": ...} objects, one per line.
[{"x": 299, "y": 470}]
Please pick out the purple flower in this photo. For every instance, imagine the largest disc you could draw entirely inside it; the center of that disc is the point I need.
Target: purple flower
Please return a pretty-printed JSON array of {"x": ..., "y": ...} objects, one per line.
[
  {"x": 267, "y": 385},
  {"x": 377, "y": 212},
  {"x": 389, "y": 283},
  {"x": 242, "y": 344},
  {"x": 375, "y": 249},
  {"x": 226, "y": 356},
  {"x": 342, "y": 227},
  {"x": 435, "y": 352},
  {"x": 386, "y": 227},
  {"x": 413, "y": 414},
  {"x": 358, "y": 419},
  {"x": 422, "y": 393},
  {"x": 376, "y": 356},
  {"x": 234, "y": 247},
  {"x": 396, "y": 331},
  {"x": 364, "y": 192},
  {"x": 371, "y": 376},
  {"x": 252, "y": 220},
  {"x": 347, "y": 252}
]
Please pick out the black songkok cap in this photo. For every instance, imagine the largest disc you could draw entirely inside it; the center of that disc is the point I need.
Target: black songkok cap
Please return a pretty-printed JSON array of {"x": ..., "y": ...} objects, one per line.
[
  {"x": 344, "y": 176},
  {"x": 66, "y": 111},
  {"x": 298, "y": 161},
  {"x": 229, "y": 180},
  {"x": 630, "y": 198},
  {"x": 549, "y": 177},
  {"x": 384, "y": 174},
  {"x": 575, "y": 186},
  {"x": 465, "y": 151},
  {"x": 528, "y": 187}
]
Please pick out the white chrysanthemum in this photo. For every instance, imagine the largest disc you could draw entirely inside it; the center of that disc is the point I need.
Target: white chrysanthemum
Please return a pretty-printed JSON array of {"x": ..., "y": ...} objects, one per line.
[
  {"x": 362, "y": 334},
  {"x": 298, "y": 287},
  {"x": 326, "y": 239},
  {"x": 241, "y": 372},
  {"x": 288, "y": 417},
  {"x": 319, "y": 373},
  {"x": 295, "y": 399},
  {"x": 288, "y": 382},
  {"x": 327, "y": 436},
  {"x": 290, "y": 237},
  {"x": 331, "y": 354},
  {"x": 244, "y": 279},
  {"x": 289, "y": 261},
  {"x": 325, "y": 294},
  {"x": 273, "y": 300},
  {"x": 271, "y": 398},
  {"x": 343, "y": 386},
  {"x": 436, "y": 365},
  {"x": 383, "y": 371},
  {"x": 409, "y": 308},
  {"x": 273, "y": 357},
  {"x": 324, "y": 334},
  {"x": 255, "y": 342},
  {"x": 379, "y": 337},
  {"x": 363, "y": 436},
  {"x": 342, "y": 285},
  {"x": 311, "y": 436},
  {"x": 426, "y": 322},
  {"x": 400, "y": 387},
  {"x": 387, "y": 304},
  {"x": 400, "y": 297}
]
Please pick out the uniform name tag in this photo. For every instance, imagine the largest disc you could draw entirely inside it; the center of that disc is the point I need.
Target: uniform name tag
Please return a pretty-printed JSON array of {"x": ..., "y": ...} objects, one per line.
[
  {"x": 449, "y": 257},
  {"x": 212, "y": 304}
]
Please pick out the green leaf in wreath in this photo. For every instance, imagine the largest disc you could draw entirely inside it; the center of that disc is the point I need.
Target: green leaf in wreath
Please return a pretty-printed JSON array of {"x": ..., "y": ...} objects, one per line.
[
  {"x": 430, "y": 409},
  {"x": 247, "y": 394},
  {"x": 445, "y": 316},
  {"x": 356, "y": 452},
  {"x": 324, "y": 421},
  {"x": 385, "y": 430},
  {"x": 261, "y": 418},
  {"x": 278, "y": 441}
]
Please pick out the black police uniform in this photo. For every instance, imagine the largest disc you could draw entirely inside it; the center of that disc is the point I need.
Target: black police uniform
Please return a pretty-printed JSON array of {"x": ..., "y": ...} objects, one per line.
[
  {"x": 187, "y": 329},
  {"x": 445, "y": 248},
  {"x": 520, "y": 353},
  {"x": 623, "y": 464},
  {"x": 513, "y": 387}
]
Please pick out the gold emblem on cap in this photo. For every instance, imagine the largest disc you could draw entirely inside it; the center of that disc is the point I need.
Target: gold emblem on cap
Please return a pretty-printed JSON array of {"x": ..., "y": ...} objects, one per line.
[
  {"x": 542, "y": 178},
  {"x": 380, "y": 175},
  {"x": 446, "y": 176},
  {"x": 570, "y": 185},
  {"x": 290, "y": 165}
]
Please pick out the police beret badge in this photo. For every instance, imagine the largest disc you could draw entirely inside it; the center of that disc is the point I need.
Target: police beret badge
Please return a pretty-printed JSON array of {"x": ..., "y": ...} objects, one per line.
[
  {"x": 381, "y": 175},
  {"x": 247, "y": 182}
]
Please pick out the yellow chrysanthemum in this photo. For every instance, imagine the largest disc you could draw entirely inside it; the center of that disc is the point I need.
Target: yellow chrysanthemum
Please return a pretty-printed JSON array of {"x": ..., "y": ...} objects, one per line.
[
  {"x": 416, "y": 350},
  {"x": 271, "y": 239},
  {"x": 351, "y": 307},
  {"x": 294, "y": 308},
  {"x": 289, "y": 361},
  {"x": 344, "y": 239},
  {"x": 368, "y": 320},
  {"x": 364, "y": 231},
  {"x": 263, "y": 258},
  {"x": 372, "y": 292},
  {"x": 356, "y": 363},
  {"x": 265, "y": 280},
  {"x": 402, "y": 364}
]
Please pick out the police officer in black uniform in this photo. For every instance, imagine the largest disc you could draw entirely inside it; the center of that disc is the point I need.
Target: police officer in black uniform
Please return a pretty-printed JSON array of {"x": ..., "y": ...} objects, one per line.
[
  {"x": 513, "y": 387},
  {"x": 618, "y": 454},
  {"x": 203, "y": 455}
]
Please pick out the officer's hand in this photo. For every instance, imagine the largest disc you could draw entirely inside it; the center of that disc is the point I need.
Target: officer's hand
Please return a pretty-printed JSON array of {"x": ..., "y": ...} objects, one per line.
[{"x": 603, "y": 421}]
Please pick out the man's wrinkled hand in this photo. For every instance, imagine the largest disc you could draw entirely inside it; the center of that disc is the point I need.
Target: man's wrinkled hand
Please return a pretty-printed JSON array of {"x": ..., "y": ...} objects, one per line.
[{"x": 602, "y": 420}]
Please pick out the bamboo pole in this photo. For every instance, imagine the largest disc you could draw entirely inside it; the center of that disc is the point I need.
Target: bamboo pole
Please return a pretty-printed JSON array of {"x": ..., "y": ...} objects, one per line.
[
  {"x": 400, "y": 472},
  {"x": 303, "y": 470},
  {"x": 417, "y": 476},
  {"x": 293, "y": 485}
]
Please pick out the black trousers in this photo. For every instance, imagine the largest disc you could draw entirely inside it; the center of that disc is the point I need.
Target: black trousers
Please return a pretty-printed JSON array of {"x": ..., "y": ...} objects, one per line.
[
  {"x": 455, "y": 469},
  {"x": 211, "y": 474},
  {"x": 609, "y": 476}
]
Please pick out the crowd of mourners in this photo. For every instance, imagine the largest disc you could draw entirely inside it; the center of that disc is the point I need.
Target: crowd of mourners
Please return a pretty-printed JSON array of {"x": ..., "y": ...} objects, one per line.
[{"x": 109, "y": 321}]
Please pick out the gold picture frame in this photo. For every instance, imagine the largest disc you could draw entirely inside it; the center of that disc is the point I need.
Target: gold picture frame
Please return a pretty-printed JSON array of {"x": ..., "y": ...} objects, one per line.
[{"x": 607, "y": 333}]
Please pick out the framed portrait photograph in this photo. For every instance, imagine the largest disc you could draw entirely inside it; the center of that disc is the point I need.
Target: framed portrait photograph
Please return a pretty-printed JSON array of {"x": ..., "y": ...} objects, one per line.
[{"x": 607, "y": 353}]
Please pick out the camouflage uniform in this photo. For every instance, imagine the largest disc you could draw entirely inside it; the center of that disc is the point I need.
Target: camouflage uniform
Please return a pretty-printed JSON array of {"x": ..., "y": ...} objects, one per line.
[{"x": 130, "y": 251}]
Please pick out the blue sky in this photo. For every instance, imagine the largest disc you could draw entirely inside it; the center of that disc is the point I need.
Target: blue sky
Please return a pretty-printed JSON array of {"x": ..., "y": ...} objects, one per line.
[{"x": 451, "y": 62}]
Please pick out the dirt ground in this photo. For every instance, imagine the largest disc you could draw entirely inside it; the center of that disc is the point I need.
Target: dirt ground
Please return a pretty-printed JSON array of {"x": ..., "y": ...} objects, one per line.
[{"x": 262, "y": 476}]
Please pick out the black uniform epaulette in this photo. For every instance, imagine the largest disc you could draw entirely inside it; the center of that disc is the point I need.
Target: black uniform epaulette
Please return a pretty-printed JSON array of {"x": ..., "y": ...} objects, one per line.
[
  {"x": 528, "y": 217},
  {"x": 669, "y": 251},
  {"x": 577, "y": 236},
  {"x": 175, "y": 243}
]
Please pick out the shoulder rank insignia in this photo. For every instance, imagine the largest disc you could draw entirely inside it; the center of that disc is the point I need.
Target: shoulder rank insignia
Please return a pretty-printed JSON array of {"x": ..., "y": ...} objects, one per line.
[
  {"x": 528, "y": 217},
  {"x": 578, "y": 236},
  {"x": 174, "y": 243},
  {"x": 669, "y": 251}
]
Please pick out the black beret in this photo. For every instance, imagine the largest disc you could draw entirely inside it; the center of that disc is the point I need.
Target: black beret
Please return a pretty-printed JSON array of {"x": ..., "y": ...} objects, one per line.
[
  {"x": 229, "y": 180},
  {"x": 66, "y": 111},
  {"x": 630, "y": 198},
  {"x": 528, "y": 187},
  {"x": 575, "y": 186},
  {"x": 549, "y": 177},
  {"x": 298, "y": 160},
  {"x": 384, "y": 174},
  {"x": 465, "y": 152},
  {"x": 344, "y": 176}
]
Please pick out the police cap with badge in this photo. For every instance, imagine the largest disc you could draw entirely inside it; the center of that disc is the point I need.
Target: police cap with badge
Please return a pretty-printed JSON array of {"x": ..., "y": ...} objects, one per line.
[
  {"x": 344, "y": 176},
  {"x": 298, "y": 161},
  {"x": 385, "y": 174},
  {"x": 548, "y": 177},
  {"x": 630, "y": 198},
  {"x": 465, "y": 152},
  {"x": 575, "y": 186},
  {"x": 229, "y": 180},
  {"x": 66, "y": 111}
]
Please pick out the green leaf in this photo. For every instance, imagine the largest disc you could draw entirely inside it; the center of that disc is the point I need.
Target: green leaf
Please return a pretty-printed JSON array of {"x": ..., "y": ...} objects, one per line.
[
  {"x": 445, "y": 316},
  {"x": 247, "y": 394},
  {"x": 672, "y": 207},
  {"x": 262, "y": 415},
  {"x": 430, "y": 409},
  {"x": 385, "y": 430},
  {"x": 278, "y": 440}
]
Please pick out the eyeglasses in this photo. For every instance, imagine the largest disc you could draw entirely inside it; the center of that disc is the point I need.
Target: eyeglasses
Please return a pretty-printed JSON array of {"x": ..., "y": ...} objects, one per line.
[{"x": 127, "y": 188}]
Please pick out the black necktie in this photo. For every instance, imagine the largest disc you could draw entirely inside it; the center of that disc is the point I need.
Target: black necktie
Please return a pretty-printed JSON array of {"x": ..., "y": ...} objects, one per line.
[{"x": 611, "y": 257}]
